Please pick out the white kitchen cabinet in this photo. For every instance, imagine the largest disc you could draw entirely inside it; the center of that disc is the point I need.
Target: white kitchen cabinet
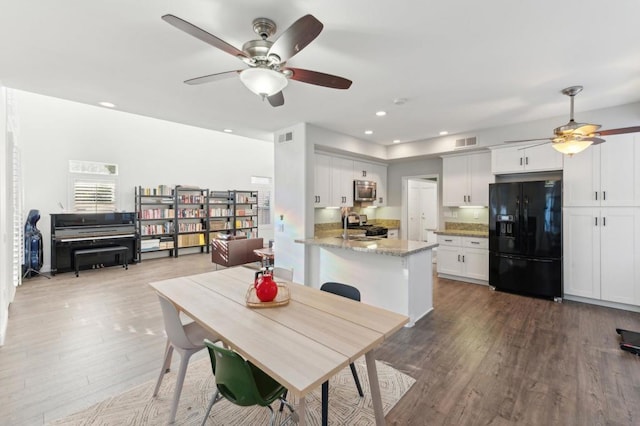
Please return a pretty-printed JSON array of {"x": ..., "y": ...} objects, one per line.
[
  {"x": 380, "y": 171},
  {"x": 601, "y": 257},
  {"x": 519, "y": 159},
  {"x": 341, "y": 182},
  {"x": 363, "y": 170},
  {"x": 392, "y": 233},
  {"x": 463, "y": 258},
  {"x": 333, "y": 186},
  {"x": 322, "y": 184},
  {"x": 605, "y": 174},
  {"x": 466, "y": 179}
]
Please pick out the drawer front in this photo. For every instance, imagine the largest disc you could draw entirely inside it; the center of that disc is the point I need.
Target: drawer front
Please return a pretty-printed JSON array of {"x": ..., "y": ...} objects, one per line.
[
  {"x": 472, "y": 242},
  {"x": 449, "y": 240}
]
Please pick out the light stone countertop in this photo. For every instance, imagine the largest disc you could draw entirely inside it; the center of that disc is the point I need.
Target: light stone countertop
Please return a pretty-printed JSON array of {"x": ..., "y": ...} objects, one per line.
[{"x": 386, "y": 246}]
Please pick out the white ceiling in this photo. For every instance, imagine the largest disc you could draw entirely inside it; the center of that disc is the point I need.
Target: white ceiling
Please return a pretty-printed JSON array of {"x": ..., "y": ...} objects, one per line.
[{"x": 461, "y": 65}]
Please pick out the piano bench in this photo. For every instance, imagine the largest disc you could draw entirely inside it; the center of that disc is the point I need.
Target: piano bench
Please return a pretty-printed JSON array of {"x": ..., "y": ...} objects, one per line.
[{"x": 121, "y": 251}]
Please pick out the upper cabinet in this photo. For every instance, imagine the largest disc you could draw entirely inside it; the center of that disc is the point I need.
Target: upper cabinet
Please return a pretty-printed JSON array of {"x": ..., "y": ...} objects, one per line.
[
  {"x": 466, "y": 179},
  {"x": 341, "y": 182},
  {"x": 604, "y": 175},
  {"x": 322, "y": 177},
  {"x": 334, "y": 176},
  {"x": 519, "y": 159}
]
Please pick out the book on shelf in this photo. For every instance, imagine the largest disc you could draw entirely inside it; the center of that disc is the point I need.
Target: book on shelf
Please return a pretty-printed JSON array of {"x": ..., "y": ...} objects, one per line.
[
  {"x": 191, "y": 240},
  {"x": 160, "y": 190}
]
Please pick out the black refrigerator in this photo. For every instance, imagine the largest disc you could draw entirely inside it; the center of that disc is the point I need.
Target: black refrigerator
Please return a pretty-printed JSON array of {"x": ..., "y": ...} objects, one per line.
[{"x": 525, "y": 238}]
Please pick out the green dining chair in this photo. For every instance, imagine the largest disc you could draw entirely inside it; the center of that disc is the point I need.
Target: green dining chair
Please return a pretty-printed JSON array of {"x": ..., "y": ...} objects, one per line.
[{"x": 243, "y": 384}]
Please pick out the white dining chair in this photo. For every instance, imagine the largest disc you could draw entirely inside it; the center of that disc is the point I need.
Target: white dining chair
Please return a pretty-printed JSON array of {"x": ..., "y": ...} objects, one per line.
[
  {"x": 186, "y": 340},
  {"x": 283, "y": 273}
]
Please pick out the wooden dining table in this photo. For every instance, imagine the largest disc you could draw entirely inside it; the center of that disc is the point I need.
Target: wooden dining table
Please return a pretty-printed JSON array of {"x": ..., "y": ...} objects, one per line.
[{"x": 301, "y": 344}]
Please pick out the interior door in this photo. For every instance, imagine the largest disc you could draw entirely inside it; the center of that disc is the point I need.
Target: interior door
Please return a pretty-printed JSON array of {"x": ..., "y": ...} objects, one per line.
[{"x": 422, "y": 208}]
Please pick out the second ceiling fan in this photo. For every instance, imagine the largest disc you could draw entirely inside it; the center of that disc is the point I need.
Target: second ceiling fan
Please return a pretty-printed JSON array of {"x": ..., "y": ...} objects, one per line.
[
  {"x": 575, "y": 137},
  {"x": 267, "y": 73}
]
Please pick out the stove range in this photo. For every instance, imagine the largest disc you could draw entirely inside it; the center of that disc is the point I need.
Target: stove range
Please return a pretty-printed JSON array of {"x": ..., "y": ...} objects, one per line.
[{"x": 360, "y": 222}]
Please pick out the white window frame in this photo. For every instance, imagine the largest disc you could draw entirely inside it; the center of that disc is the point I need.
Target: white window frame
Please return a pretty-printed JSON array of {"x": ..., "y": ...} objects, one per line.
[{"x": 102, "y": 176}]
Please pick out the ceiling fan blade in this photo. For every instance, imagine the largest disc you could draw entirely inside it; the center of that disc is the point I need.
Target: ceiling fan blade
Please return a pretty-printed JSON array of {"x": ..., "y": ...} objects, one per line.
[
  {"x": 201, "y": 34},
  {"x": 634, "y": 129},
  {"x": 529, "y": 140},
  {"x": 276, "y": 100},
  {"x": 212, "y": 77},
  {"x": 296, "y": 37},
  {"x": 319, "y": 78},
  {"x": 594, "y": 140},
  {"x": 532, "y": 146}
]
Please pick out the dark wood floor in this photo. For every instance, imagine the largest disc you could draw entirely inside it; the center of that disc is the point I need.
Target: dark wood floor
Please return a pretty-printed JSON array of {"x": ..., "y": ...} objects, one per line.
[{"x": 480, "y": 358}]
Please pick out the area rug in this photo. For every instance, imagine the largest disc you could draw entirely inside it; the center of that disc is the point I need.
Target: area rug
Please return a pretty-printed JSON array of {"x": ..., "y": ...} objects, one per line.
[{"x": 138, "y": 407}]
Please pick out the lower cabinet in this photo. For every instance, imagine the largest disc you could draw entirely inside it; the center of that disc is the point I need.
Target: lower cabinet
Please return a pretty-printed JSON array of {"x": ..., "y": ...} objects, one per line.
[
  {"x": 601, "y": 253},
  {"x": 463, "y": 258}
]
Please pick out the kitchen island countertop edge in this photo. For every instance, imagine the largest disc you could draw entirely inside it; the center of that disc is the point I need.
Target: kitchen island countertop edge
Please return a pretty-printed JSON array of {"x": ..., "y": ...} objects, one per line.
[{"x": 386, "y": 246}]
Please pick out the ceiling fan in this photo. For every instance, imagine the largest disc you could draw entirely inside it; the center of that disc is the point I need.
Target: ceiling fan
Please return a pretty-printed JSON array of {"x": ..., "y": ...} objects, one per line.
[
  {"x": 574, "y": 137},
  {"x": 267, "y": 74}
]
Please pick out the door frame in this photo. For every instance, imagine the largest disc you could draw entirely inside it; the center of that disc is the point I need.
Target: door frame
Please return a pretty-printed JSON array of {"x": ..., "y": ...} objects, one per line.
[{"x": 404, "y": 219}]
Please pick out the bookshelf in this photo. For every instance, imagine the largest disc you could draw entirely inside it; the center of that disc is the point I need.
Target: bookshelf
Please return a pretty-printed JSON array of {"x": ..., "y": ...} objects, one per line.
[
  {"x": 191, "y": 224},
  {"x": 245, "y": 210},
  {"x": 233, "y": 212},
  {"x": 155, "y": 214},
  {"x": 221, "y": 216},
  {"x": 176, "y": 218}
]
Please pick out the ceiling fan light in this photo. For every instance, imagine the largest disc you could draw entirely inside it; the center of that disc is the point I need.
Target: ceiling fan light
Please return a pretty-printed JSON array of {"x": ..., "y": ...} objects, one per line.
[
  {"x": 571, "y": 146},
  {"x": 263, "y": 81}
]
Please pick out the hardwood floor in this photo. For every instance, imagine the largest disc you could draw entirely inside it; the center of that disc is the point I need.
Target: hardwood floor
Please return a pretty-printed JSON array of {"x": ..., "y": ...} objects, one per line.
[{"x": 480, "y": 357}]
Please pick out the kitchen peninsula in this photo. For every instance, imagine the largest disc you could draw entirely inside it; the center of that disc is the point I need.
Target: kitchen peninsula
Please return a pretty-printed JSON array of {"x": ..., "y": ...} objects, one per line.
[{"x": 391, "y": 274}]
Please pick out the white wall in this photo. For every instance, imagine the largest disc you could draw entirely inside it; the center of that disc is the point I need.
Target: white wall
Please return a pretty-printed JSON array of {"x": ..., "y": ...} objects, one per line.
[
  {"x": 149, "y": 152},
  {"x": 6, "y": 279},
  {"x": 293, "y": 182}
]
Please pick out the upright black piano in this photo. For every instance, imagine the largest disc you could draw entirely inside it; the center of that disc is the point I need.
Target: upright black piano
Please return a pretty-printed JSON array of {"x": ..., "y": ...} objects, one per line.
[{"x": 71, "y": 232}]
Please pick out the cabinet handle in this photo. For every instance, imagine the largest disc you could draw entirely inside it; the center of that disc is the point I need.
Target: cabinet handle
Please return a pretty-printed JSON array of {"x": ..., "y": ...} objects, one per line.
[
  {"x": 526, "y": 161},
  {"x": 475, "y": 242},
  {"x": 596, "y": 221},
  {"x": 364, "y": 173},
  {"x": 448, "y": 241},
  {"x": 521, "y": 161},
  {"x": 604, "y": 195},
  {"x": 381, "y": 198},
  {"x": 604, "y": 221},
  {"x": 596, "y": 195},
  {"x": 469, "y": 198},
  {"x": 463, "y": 258},
  {"x": 458, "y": 258}
]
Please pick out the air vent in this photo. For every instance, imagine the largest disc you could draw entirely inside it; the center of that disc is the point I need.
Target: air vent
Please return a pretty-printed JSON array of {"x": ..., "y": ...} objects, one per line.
[
  {"x": 466, "y": 143},
  {"x": 285, "y": 137}
]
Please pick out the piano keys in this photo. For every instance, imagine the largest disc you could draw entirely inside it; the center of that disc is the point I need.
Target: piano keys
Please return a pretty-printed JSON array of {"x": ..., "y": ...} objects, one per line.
[{"x": 77, "y": 231}]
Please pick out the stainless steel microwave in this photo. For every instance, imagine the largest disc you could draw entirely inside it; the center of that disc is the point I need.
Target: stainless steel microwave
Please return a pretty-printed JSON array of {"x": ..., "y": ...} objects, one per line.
[{"x": 364, "y": 190}]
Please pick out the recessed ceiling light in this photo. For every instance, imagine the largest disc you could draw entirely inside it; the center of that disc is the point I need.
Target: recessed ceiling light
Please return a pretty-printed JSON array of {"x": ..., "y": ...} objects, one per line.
[
  {"x": 368, "y": 132},
  {"x": 444, "y": 132},
  {"x": 400, "y": 101},
  {"x": 381, "y": 113},
  {"x": 228, "y": 131},
  {"x": 107, "y": 104},
  {"x": 396, "y": 141}
]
